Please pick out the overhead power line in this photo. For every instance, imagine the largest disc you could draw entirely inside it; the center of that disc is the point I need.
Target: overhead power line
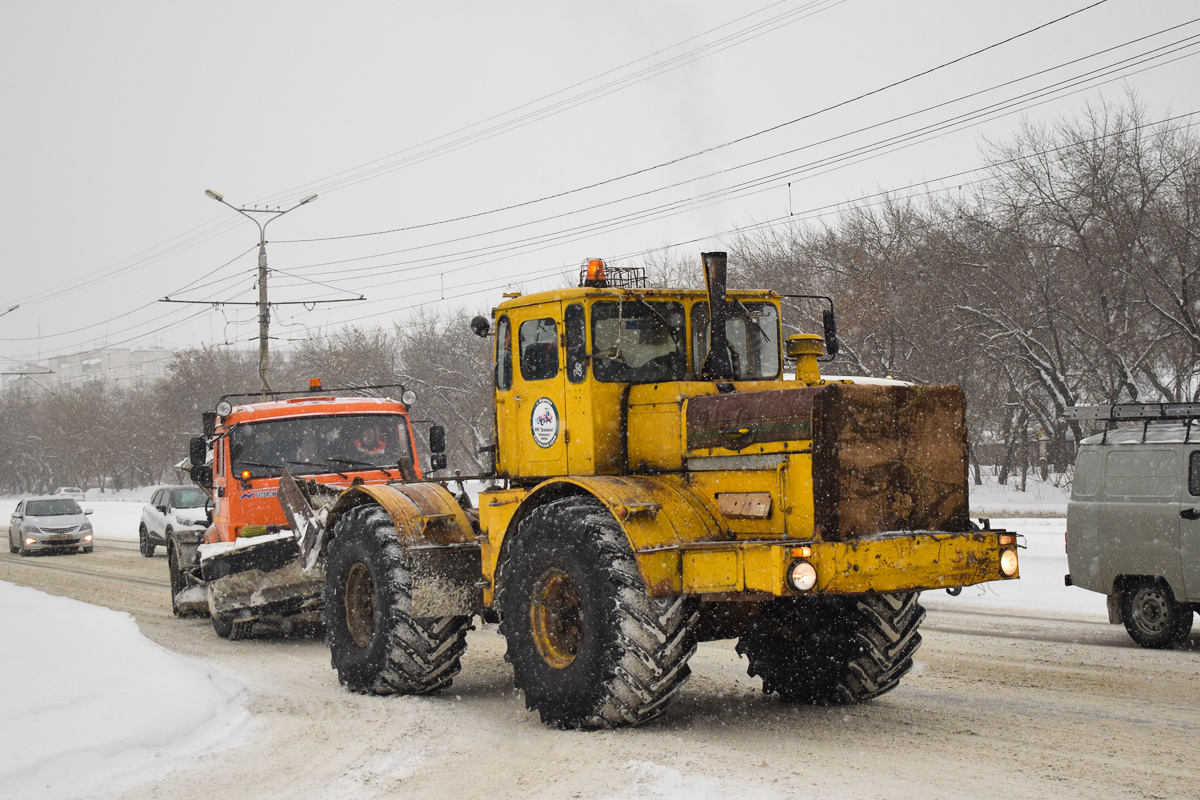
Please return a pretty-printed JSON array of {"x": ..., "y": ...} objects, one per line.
[{"x": 721, "y": 146}]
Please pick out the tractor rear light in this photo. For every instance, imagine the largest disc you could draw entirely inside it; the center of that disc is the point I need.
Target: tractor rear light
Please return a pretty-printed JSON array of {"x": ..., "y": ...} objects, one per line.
[
  {"x": 1008, "y": 563},
  {"x": 801, "y": 552},
  {"x": 801, "y": 576},
  {"x": 1008, "y": 539}
]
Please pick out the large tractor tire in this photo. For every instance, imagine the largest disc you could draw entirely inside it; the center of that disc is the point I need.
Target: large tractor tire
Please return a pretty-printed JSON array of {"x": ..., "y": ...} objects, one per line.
[
  {"x": 588, "y": 645},
  {"x": 1153, "y": 617},
  {"x": 375, "y": 645},
  {"x": 833, "y": 650}
]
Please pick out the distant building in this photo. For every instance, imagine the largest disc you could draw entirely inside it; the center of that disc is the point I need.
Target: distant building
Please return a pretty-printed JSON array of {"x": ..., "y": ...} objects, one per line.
[{"x": 118, "y": 367}]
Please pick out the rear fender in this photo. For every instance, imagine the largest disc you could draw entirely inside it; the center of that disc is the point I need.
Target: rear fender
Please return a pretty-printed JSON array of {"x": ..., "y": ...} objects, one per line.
[
  {"x": 655, "y": 516},
  {"x": 438, "y": 540}
]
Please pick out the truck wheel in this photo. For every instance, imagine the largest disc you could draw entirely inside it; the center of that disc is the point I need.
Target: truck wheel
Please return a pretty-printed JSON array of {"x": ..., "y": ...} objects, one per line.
[
  {"x": 1152, "y": 616},
  {"x": 232, "y": 629},
  {"x": 589, "y": 647},
  {"x": 375, "y": 646},
  {"x": 833, "y": 650},
  {"x": 144, "y": 543}
]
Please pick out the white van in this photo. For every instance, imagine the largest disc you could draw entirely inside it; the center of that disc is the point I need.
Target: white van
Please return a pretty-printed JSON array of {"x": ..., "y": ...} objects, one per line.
[{"x": 1133, "y": 523}]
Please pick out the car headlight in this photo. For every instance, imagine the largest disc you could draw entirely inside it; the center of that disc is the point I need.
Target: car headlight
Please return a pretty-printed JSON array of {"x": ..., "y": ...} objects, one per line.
[
  {"x": 87, "y": 526},
  {"x": 32, "y": 529}
]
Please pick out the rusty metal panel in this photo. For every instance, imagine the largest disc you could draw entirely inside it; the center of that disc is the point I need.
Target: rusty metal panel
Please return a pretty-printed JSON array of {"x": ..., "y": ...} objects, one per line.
[
  {"x": 889, "y": 458},
  {"x": 739, "y": 419},
  {"x": 745, "y": 505}
]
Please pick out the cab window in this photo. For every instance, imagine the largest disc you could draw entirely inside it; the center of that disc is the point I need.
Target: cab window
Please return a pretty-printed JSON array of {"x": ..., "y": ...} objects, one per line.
[
  {"x": 753, "y": 333},
  {"x": 637, "y": 341},
  {"x": 538, "y": 340},
  {"x": 503, "y": 354},
  {"x": 575, "y": 328},
  {"x": 1194, "y": 473}
]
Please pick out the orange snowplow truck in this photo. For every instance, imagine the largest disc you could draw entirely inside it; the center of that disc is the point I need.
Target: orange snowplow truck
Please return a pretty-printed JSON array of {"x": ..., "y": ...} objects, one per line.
[{"x": 246, "y": 566}]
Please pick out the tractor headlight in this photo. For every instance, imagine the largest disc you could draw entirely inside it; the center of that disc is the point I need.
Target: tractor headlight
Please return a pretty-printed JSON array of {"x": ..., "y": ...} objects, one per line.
[
  {"x": 409, "y": 397},
  {"x": 801, "y": 576},
  {"x": 1008, "y": 563}
]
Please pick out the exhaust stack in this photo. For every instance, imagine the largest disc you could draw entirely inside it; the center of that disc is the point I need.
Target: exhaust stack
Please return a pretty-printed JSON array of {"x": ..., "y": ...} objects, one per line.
[{"x": 717, "y": 364}]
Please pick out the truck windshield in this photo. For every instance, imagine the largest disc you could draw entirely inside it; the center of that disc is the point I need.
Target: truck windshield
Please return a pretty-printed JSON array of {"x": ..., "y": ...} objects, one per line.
[
  {"x": 753, "y": 333},
  {"x": 51, "y": 508},
  {"x": 313, "y": 445},
  {"x": 637, "y": 341}
]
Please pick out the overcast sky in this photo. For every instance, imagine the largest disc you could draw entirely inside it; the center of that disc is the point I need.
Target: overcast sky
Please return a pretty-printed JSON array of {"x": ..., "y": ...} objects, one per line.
[{"x": 403, "y": 115}]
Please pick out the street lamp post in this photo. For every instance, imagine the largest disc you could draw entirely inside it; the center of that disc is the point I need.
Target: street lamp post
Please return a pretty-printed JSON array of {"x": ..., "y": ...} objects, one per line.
[{"x": 264, "y": 310}]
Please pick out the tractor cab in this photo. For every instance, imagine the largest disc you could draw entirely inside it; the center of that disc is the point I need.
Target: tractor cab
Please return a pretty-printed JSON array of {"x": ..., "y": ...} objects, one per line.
[{"x": 572, "y": 366}]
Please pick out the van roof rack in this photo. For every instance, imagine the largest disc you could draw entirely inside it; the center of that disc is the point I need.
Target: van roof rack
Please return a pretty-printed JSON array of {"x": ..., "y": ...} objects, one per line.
[{"x": 1144, "y": 413}]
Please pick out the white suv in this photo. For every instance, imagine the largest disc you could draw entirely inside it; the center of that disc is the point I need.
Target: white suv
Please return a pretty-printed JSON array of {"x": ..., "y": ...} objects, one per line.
[{"x": 172, "y": 509}]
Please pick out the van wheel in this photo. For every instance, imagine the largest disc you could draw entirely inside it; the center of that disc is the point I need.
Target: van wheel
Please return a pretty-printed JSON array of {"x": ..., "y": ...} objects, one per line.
[{"x": 1153, "y": 618}]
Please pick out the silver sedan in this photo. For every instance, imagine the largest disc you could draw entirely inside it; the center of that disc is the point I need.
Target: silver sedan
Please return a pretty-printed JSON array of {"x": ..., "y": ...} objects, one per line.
[{"x": 49, "y": 523}]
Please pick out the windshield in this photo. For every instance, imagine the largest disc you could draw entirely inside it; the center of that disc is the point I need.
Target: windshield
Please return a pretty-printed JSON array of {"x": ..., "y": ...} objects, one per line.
[
  {"x": 312, "y": 445},
  {"x": 638, "y": 342},
  {"x": 753, "y": 333},
  {"x": 52, "y": 508},
  {"x": 188, "y": 498}
]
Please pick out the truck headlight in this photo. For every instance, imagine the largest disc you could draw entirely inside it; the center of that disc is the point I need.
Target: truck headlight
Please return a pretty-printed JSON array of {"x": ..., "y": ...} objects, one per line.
[
  {"x": 1008, "y": 563},
  {"x": 801, "y": 576}
]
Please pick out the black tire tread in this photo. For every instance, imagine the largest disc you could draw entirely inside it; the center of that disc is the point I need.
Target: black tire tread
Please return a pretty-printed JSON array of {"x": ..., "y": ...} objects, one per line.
[
  {"x": 850, "y": 650},
  {"x": 422, "y": 655},
  {"x": 654, "y": 639}
]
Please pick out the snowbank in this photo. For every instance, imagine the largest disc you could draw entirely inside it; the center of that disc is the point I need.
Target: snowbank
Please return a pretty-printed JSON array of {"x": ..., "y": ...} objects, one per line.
[
  {"x": 88, "y": 701},
  {"x": 1040, "y": 498}
]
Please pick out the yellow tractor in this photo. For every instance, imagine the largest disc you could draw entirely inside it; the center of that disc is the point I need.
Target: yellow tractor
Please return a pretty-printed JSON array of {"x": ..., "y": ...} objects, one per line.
[{"x": 660, "y": 480}]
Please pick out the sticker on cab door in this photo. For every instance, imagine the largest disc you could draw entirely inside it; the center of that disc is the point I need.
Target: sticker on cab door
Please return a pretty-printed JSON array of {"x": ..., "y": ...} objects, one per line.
[{"x": 543, "y": 422}]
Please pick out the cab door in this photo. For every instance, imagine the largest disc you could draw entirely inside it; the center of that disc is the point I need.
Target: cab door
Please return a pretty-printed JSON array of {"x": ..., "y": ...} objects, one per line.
[
  {"x": 1189, "y": 529},
  {"x": 507, "y": 462},
  {"x": 539, "y": 391}
]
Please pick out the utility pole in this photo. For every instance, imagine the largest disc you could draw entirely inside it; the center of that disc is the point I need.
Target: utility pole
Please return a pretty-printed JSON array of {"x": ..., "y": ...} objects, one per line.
[{"x": 264, "y": 309}]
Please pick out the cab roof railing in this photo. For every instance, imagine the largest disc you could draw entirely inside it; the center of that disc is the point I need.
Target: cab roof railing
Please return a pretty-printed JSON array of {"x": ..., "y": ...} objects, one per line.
[
  {"x": 319, "y": 391},
  {"x": 1144, "y": 413}
]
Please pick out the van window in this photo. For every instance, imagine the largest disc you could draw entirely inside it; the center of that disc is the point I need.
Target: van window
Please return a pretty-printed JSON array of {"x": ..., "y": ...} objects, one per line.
[
  {"x": 1087, "y": 474},
  {"x": 1194, "y": 473},
  {"x": 1141, "y": 473}
]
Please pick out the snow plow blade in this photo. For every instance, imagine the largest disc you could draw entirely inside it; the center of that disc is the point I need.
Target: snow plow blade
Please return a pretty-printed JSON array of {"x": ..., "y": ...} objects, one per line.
[{"x": 257, "y": 577}]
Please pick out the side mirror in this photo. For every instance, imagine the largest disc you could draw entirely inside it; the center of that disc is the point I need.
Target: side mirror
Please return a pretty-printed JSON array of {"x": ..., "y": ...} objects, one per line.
[
  {"x": 437, "y": 439},
  {"x": 161, "y": 509},
  {"x": 480, "y": 326},
  {"x": 197, "y": 450},
  {"x": 437, "y": 461},
  {"x": 201, "y": 475},
  {"x": 829, "y": 322},
  {"x": 87, "y": 511},
  {"x": 208, "y": 423}
]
